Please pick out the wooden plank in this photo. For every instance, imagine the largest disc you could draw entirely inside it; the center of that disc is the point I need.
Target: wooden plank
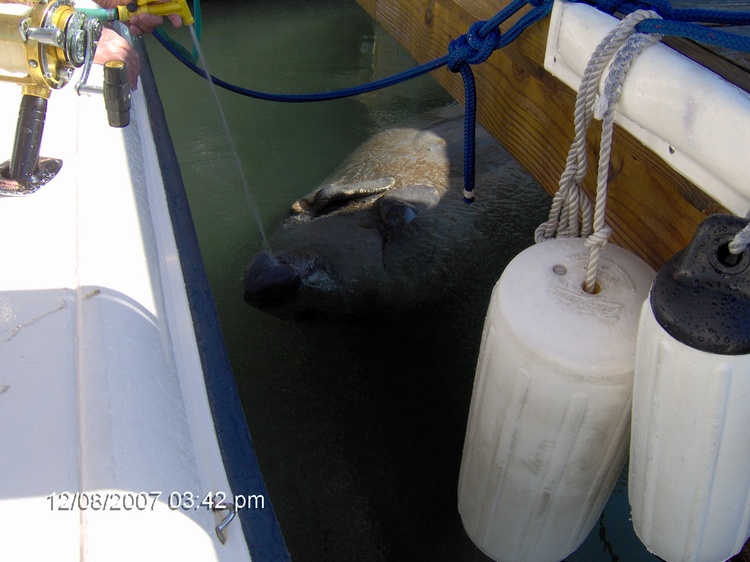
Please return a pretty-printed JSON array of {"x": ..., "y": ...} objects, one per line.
[{"x": 652, "y": 209}]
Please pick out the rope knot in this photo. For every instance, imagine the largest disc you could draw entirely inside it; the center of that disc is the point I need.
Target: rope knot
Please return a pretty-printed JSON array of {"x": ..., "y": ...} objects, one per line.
[
  {"x": 474, "y": 47},
  {"x": 599, "y": 237}
]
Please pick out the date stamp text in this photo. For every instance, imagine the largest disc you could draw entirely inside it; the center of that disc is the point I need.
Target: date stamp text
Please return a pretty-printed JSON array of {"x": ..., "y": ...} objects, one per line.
[{"x": 147, "y": 501}]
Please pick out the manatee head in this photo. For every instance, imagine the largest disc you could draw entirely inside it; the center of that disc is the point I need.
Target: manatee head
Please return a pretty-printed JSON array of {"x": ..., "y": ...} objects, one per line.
[
  {"x": 389, "y": 230},
  {"x": 349, "y": 249}
]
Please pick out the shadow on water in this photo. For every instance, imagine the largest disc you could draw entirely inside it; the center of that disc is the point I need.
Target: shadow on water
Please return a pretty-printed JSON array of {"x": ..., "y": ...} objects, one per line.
[{"x": 358, "y": 428}]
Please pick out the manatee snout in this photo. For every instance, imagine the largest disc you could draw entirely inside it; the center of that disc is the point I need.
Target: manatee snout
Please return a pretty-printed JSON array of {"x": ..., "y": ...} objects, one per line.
[
  {"x": 269, "y": 282},
  {"x": 273, "y": 280}
]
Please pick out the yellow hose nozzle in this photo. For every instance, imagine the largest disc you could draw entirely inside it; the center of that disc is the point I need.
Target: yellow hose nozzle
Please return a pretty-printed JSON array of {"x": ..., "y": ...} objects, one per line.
[{"x": 180, "y": 7}]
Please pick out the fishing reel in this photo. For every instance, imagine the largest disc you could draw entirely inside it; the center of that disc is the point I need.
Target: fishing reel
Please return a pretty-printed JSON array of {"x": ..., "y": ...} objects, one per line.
[{"x": 42, "y": 42}]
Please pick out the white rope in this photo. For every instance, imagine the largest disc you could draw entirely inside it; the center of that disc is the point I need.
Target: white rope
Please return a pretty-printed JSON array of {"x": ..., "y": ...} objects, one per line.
[
  {"x": 570, "y": 204},
  {"x": 740, "y": 241},
  {"x": 605, "y": 110}
]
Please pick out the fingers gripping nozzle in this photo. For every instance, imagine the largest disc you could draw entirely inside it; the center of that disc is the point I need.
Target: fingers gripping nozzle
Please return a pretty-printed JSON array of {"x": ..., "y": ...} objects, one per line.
[{"x": 178, "y": 7}]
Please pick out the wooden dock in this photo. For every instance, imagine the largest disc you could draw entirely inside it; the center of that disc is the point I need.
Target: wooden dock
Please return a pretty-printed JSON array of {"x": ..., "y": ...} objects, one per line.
[{"x": 652, "y": 209}]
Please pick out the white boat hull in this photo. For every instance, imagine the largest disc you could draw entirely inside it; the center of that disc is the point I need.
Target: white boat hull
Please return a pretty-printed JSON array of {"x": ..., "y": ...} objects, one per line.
[{"x": 109, "y": 449}]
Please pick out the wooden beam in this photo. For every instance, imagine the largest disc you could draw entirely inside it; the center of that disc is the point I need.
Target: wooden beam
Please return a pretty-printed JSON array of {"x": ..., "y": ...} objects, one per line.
[{"x": 652, "y": 209}]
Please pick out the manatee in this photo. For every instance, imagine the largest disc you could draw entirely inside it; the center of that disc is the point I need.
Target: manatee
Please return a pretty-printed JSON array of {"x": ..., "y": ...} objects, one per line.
[{"x": 389, "y": 229}]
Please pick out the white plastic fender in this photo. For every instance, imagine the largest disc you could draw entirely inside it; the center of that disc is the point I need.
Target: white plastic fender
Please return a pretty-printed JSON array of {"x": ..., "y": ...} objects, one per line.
[
  {"x": 690, "y": 447},
  {"x": 689, "y": 480},
  {"x": 549, "y": 421}
]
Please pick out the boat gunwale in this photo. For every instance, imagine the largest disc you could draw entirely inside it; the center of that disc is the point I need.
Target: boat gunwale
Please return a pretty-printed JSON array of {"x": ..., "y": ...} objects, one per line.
[{"x": 260, "y": 526}]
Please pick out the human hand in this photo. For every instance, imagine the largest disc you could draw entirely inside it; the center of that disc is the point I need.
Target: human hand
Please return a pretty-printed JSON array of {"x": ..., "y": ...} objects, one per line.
[
  {"x": 112, "y": 46},
  {"x": 144, "y": 22}
]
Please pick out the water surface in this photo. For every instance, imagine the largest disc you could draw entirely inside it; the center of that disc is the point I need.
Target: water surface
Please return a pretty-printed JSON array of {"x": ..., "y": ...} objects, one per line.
[{"x": 358, "y": 428}]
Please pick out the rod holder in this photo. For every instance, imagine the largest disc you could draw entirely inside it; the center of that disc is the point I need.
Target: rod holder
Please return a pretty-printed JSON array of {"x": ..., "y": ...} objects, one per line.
[
  {"x": 42, "y": 42},
  {"x": 26, "y": 172}
]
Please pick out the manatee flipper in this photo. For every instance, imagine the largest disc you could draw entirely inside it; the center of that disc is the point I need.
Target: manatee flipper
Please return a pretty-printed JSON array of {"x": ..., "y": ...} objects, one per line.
[
  {"x": 401, "y": 207},
  {"x": 400, "y": 213}
]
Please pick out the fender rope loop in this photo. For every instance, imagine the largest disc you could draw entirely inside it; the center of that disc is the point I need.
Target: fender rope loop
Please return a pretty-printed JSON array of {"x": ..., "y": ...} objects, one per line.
[{"x": 622, "y": 45}]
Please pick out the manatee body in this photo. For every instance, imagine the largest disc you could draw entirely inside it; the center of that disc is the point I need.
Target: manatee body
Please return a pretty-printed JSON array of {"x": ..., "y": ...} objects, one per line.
[{"x": 389, "y": 228}]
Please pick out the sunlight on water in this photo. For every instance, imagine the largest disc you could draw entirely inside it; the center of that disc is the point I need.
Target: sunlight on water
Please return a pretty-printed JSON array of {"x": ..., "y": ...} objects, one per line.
[{"x": 232, "y": 145}]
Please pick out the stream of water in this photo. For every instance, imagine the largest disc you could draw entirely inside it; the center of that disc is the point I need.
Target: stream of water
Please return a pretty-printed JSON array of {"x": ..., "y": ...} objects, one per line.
[{"x": 249, "y": 199}]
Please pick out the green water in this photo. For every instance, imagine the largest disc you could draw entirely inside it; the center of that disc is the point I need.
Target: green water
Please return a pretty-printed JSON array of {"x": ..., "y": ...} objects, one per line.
[{"x": 358, "y": 428}]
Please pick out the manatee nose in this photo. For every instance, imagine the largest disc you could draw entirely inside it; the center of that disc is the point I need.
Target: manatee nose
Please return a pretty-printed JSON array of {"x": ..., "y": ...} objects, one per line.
[{"x": 269, "y": 282}]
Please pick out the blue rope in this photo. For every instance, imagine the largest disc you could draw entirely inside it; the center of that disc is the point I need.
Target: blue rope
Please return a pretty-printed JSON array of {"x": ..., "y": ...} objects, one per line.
[
  {"x": 685, "y": 22},
  {"x": 666, "y": 11},
  {"x": 301, "y": 98},
  {"x": 484, "y": 37},
  {"x": 696, "y": 32}
]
